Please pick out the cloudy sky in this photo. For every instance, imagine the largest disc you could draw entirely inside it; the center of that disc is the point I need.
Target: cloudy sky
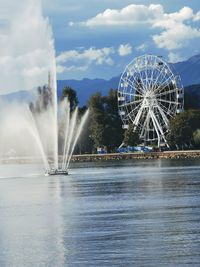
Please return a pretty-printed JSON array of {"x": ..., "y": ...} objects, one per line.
[
  {"x": 95, "y": 38},
  {"x": 98, "y": 38}
]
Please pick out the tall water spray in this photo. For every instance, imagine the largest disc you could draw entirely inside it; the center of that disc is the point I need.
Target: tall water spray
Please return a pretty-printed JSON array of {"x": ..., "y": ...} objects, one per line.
[
  {"x": 43, "y": 115},
  {"x": 36, "y": 124}
]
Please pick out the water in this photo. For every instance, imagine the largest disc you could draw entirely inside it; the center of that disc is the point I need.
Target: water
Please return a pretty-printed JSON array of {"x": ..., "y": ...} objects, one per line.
[{"x": 142, "y": 213}]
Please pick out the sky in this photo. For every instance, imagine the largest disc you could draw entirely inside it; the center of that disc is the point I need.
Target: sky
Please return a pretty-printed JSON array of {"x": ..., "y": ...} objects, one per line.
[
  {"x": 93, "y": 38},
  {"x": 99, "y": 38}
]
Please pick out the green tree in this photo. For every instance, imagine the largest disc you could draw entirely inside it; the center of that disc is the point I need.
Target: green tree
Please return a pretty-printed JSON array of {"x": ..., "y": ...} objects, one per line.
[
  {"x": 97, "y": 119},
  {"x": 105, "y": 124},
  {"x": 131, "y": 137},
  {"x": 113, "y": 124},
  {"x": 71, "y": 95},
  {"x": 196, "y": 137},
  {"x": 182, "y": 127},
  {"x": 84, "y": 144}
]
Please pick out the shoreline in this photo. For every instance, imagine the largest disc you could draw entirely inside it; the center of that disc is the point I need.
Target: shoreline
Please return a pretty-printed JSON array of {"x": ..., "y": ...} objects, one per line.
[
  {"x": 137, "y": 156},
  {"x": 183, "y": 154}
]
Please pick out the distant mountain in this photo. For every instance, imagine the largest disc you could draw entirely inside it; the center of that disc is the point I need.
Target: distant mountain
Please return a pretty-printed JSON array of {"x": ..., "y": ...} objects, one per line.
[
  {"x": 189, "y": 71},
  {"x": 87, "y": 87},
  {"x": 20, "y": 96}
]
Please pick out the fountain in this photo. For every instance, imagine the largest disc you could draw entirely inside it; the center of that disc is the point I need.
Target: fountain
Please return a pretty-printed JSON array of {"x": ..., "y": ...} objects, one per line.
[
  {"x": 45, "y": 118},
  {"x": 38, "y": 126}
]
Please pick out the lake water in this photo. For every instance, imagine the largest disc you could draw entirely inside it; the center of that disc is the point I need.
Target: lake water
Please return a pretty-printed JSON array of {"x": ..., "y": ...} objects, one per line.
[{"x": 133, "y": 213}]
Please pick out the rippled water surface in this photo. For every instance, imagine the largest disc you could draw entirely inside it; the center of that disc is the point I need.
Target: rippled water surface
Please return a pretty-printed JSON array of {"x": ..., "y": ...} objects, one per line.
[{"x": 133, "y": 213}]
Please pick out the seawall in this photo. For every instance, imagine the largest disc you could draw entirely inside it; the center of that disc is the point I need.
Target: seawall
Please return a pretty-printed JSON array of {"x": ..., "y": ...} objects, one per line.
[{"x": 137, "y": 156}]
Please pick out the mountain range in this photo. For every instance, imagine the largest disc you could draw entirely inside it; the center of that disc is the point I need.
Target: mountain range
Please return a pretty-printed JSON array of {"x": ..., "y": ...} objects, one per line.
[{"x": 189, "y": 71}]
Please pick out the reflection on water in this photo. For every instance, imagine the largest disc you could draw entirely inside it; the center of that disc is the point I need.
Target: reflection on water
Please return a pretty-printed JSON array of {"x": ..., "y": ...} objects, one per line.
[{"x": 142, "y": 213}]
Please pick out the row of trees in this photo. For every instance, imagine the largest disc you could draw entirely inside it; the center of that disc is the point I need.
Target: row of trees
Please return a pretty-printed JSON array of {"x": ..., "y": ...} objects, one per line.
[{"x": 104, "y": 127}]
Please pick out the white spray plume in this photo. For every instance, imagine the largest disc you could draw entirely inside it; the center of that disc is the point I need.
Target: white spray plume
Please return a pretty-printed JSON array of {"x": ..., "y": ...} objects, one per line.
[{"x": 27, "y": 47}]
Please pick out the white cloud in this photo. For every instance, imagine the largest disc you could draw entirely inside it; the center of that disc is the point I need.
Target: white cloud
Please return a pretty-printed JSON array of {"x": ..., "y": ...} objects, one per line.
[
  {"x": 27, "y": 50},
  {"x": 174, "y": 57},
  {"x": 176, "y": 29},
  {"x": 129, "y": 15},
  {"x": 142, "y": 47},
  {"x": 176, "y": 37},
  {"x": 60, "y": 69},
  {"x": 124, "y": 49},
  {"x": 63, "y": 69},
  {"x": 197, "y": 16},
  {"x": 98, "y": 56},
  {"x": 81, "y": 60}
]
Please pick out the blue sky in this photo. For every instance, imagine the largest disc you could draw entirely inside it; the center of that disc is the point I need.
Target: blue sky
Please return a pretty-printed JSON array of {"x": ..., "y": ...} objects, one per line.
[
  {"x": 93, "y": 38},
  {"x": 105, "y": 35}
]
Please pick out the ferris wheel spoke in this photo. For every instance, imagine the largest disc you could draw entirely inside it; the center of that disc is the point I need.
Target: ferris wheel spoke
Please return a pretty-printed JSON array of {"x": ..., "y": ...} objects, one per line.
[
  {"x": 167, "y": 92},
  {"x": 167, "y": 111},
  {"x": 130, "y": 83},
  {"x": 132, "y": 111},
  {"x": 131, "y": 103},
  {"x": 158, "y": 76},
  {"x": 167, "y": 101},
  {"x": 165, "y": 84},
  {"x": 152, "y": 72},
  {"x": 139, "y": 89},
  {"x": 131, "y": 94},
  {"x": 141, "y": 79}
]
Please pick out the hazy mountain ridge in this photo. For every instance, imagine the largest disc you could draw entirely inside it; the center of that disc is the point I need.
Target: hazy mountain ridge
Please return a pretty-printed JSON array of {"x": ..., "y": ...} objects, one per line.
[{"x": 189, "y": 71}]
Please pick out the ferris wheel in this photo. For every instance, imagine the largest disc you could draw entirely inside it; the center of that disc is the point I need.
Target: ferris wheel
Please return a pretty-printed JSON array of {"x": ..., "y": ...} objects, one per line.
[{"x": 149, "y": 94}]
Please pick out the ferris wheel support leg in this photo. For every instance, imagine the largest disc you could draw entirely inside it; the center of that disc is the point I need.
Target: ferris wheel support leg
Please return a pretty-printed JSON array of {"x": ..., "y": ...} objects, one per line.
[
  {"x": 155, "y": 126},
  {"x": 137, "y": 118},
  {"x": 158, "y": 128},
  {"x": 159, "y": 141},
  {"x": 166, "y": 121},
  {"x": 145, "y": 126}
]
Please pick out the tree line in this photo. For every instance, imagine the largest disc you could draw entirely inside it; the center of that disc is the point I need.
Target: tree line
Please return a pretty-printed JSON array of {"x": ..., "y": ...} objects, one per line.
[{"x": 104, "y": 127}]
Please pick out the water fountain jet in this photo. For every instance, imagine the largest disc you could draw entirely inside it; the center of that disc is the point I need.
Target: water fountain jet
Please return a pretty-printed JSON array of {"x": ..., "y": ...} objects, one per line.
[{"x": 43, "y": 115}]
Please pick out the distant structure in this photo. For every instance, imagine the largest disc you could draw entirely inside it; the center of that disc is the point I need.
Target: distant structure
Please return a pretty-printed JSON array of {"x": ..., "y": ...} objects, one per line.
[{"x": 149, "y": 94}]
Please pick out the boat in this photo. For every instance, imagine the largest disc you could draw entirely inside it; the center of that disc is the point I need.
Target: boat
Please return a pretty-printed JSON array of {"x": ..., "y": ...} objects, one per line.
[{"x": 56, "y": 172}]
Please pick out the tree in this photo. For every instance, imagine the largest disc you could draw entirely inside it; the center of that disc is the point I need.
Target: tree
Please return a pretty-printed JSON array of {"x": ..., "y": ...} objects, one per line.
[
  {"x": 72, "y": 97},
  {"x": 196, "y": 137},
  {"x": 113, "y": 123},
  {"x": 182, "y": 127},
  {"x": 105, "y": 123},
  {"x": 97, "y": 119},
  {"x": 84, "y": 144},
  {"x": 43, "y": 100},
  {"x": 131, "y": 137}
]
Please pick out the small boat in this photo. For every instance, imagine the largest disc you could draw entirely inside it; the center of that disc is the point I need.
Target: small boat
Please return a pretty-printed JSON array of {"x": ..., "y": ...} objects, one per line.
[{"x": 56, "y": 172}]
